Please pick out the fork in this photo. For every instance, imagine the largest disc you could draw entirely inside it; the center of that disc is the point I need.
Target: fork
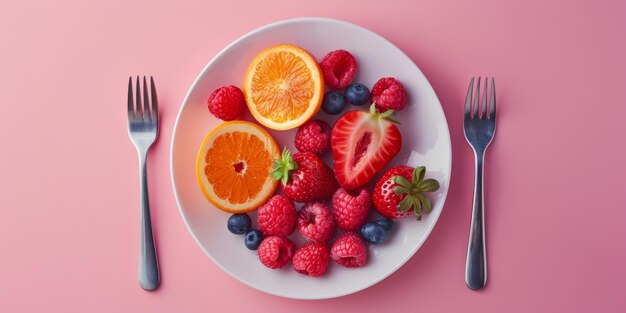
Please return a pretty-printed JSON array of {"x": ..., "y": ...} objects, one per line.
[
  {"x": 143, "y": 129},
  {"x": 479, "y": 127}
]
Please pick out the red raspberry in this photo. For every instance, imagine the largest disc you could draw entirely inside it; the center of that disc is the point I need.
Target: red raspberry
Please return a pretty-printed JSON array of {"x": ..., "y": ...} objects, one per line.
[
  {"x": 350, "y": 208},
  {"x": 275, "y": 251},
  {"x": 349, "y": 250},
  {"x": 315, "y": 222},
  {"x": 277, "y": 217},
  {"x": 312, "y": 259},
  {"x": 227, "y": 103},
  {"x": 314, "y": 136},
  {"x": 388, "y": 94},
  {"x": 338, "y": 67}
]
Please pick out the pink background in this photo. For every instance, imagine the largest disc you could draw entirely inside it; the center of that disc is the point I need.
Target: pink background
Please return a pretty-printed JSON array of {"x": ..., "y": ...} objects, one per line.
[{"x": 555, "y": 174}]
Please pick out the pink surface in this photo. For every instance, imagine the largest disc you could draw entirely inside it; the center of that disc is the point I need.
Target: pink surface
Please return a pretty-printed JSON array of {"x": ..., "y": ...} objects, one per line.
[{"x": 555, "y": 174}]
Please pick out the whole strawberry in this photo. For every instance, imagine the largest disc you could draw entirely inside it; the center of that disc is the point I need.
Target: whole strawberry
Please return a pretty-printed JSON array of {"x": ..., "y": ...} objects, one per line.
[
  {"x": 389, "y": 94},
  {"x": 349, "y": 250},
  {"x": 400, "y": 191},
  {"x": 315, "y": 222},
  {"x": 276, "y": 251},
  {"x": 350, "y": 208},
  {"x": 312, "y": 259},
  {"x": 313, "y": 136},
  {"x": 277, "y": 217},
  {"x": 305, "y": 177},
  {"x": 227, "y": 103}
]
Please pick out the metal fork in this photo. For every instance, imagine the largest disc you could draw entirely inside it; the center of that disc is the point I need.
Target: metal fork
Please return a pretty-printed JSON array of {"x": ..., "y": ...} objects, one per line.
[
  {"x": 479, "y": 127},
  {"x": 143, "y": 129}
]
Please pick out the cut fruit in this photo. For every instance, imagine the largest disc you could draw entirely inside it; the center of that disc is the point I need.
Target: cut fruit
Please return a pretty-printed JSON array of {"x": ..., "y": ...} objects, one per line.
[
  {"x": 234, "y": 166},
  {"x": 284, "y": 87},
  {"x": 363, "y": 144}
]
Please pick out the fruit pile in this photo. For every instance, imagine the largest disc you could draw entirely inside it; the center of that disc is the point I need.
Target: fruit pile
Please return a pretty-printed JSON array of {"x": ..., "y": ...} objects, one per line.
[{"x": 239, "y": 165}]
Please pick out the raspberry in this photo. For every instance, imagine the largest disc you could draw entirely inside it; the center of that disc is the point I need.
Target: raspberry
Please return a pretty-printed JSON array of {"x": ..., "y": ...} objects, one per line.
[
  {"x": 338, "y": 67},
  {"x": 315, "y": 222},
  {"x": 388, "y": 94},
  {"x": 312, "y": 259},
  {"x": 275, "y": 251},
  {"x": 349, "y": 250},
  {"x": 350, "y": 208},
  {"x": 277, "y": 217},
  {"x": 314, "y": 136},
  {"x": 227, "y": 103}
]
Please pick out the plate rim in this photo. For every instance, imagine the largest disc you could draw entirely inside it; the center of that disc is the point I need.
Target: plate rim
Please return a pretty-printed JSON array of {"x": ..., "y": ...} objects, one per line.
[{"x": 214, "y": 60}]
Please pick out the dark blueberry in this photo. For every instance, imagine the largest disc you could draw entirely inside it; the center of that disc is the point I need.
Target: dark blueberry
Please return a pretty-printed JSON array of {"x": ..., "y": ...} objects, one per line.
[
  {"x": 253, "y": 239},
  {"x": 357, "y": 94},
  {"x": 334, "y": 102},
  {"x": 239, "y": 223},
  {"x": 373, "y": 233},
  {"x": 386, "y": 224}
]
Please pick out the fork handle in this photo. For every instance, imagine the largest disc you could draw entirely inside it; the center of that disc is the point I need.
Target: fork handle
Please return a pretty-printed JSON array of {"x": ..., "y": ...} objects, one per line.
[
  {"x": 476, "y": 263},
  {"x": 148, "y": 264}
]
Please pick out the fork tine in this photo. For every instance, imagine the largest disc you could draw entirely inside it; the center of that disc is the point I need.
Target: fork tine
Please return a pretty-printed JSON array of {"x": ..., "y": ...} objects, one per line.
[
  {"x": 146, "y": 100},
  {"x": 483, "y": 102},
  {"x": 131, "y": 104},
  {"x": 476, "y": 96},
  {"x": 492, "y": 100},
  {"x": 468, "y": 99},
  {"x": 138, "y": 100},
  {"x": 154, "y": 101}
]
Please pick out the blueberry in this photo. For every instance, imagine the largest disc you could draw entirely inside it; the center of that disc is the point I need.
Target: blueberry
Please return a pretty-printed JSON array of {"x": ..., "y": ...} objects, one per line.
[
  {"x": 373, "y": 233},
  {"x": 357, "y": 94},
  {"x": 253, "y": 239},
  {"x": 386, "y": 224},
  {"x": 334, "y": 102},
  {"x": 239, "y": 223}
]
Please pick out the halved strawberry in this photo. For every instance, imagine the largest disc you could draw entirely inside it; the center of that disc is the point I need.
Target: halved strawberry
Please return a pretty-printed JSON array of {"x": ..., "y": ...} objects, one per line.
[{"x": 363, "y": 143}]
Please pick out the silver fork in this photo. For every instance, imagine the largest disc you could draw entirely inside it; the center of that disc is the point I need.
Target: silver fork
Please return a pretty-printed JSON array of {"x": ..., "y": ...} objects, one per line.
[
  {"x": 479, "y": 127},
  {"x": 143, "y": 129}
]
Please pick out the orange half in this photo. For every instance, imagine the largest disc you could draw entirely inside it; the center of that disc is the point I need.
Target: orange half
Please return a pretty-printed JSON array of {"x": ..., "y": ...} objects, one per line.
[
  {"x": 284, "y": 87},
  {"x": 234, "y": 166}
]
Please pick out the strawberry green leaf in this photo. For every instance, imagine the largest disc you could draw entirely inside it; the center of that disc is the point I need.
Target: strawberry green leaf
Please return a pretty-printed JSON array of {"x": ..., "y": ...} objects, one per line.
[
  {"x": 418, "y": 215},
  {"x": 400, "y": 180},
  {"x": 418, "y": 174},
  {"x": 425, "y": 203},
  {"x": 373, "y": 109},
  {"x": 393, "y": 120},
  {"x": 415, "y": 189},
  {"x": 386, "y": 114},
  {"x": 400, "y": 190},
  {"x": 416, "y": 203},
  {"x": 282, "y": 167},
  {"x": 405, "y": 204},
  {"x": 429, "y": 185}
]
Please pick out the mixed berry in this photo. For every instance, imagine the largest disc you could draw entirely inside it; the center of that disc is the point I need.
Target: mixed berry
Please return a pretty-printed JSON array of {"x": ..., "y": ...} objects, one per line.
[
  {"x": 339, "y": 68},
  {"x": 239, "y": 223},
  {"x": 388, "y": 94},
  {"x": 334, "y": 203},
  {"x": 357, "y": 94},
  {"x": 313, "y": 136},
  {"x": 227, "y": 103},
  {"x": 334, "y": 102},
  {"x": 253, "y": 239}
]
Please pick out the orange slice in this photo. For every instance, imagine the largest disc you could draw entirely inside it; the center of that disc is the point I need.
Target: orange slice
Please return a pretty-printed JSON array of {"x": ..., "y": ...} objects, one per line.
[
  {"x": 284, "y": 87},
  {"x": 234, "y": 166}
]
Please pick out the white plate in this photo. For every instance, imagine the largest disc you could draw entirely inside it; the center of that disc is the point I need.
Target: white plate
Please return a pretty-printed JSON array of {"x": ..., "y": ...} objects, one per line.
[{"x": 426, "y": 141}]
